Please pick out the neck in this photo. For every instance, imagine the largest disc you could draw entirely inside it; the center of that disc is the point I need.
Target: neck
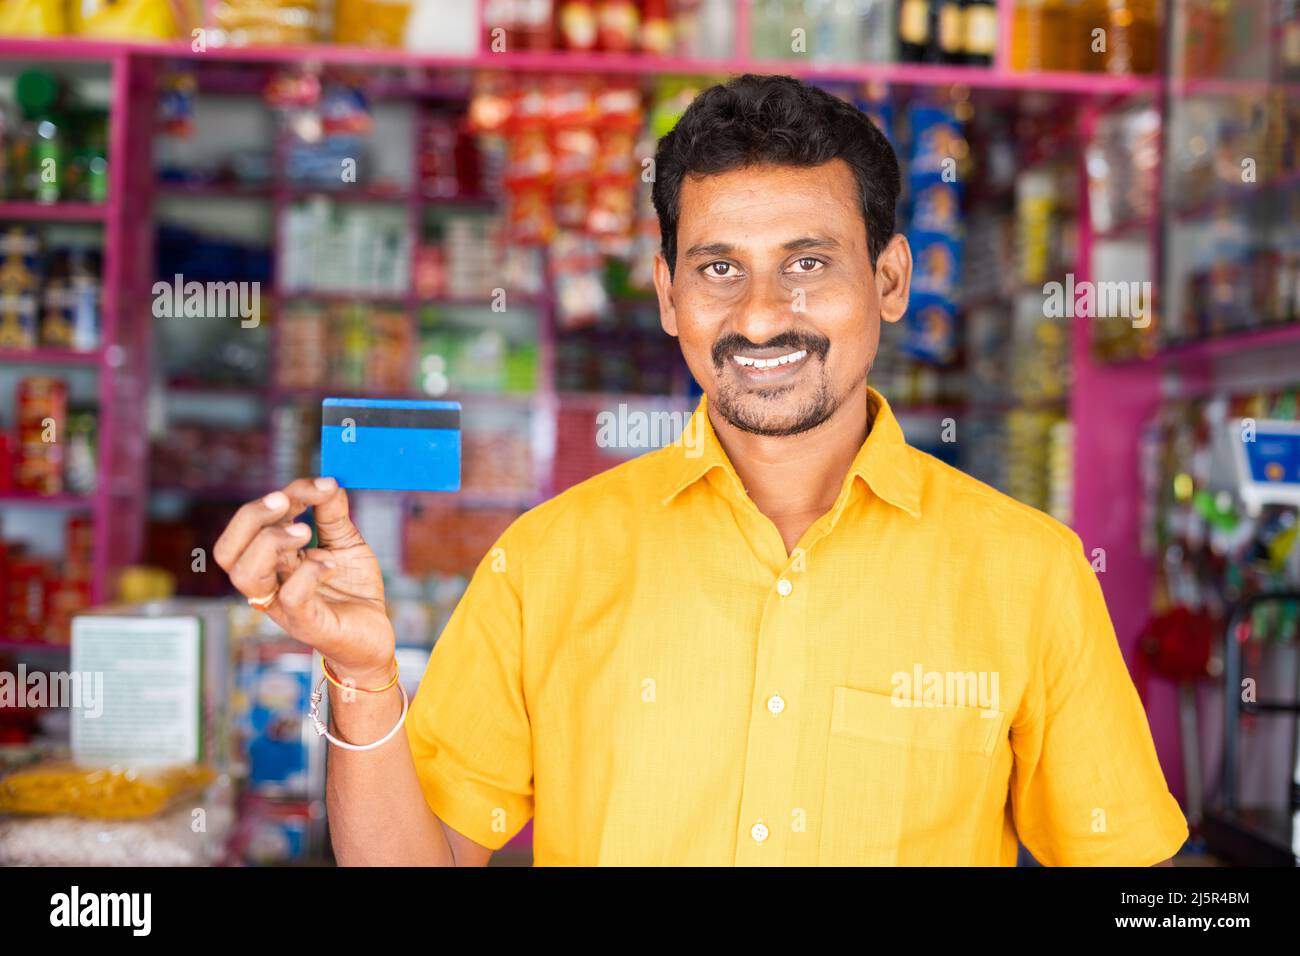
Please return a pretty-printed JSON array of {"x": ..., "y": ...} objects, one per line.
[{"x": 795, "y": 479}]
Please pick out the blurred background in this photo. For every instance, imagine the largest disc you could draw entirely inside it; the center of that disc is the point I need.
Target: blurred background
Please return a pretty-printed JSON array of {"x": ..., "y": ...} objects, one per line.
[{"x": 214, "y": 215}]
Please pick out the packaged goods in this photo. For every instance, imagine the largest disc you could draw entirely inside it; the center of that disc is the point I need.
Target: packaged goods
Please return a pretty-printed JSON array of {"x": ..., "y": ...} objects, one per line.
[
  {"x": 371, "y": 22},
  {"x": 274, "y": 691},
  {"x": 19, "y": 261},
  {"x": 170, "y": 839},
  {"x": 49, "y": 296},
  {"x": 438, "y": 539},
  {"x": 18, "y": 321},
  {"x": 277, "y": 23},
  {"x": 42, "y": 413},
  {"x": 938, "y": 150},
  {"x": 99, "y": 793},
  {"x": 29, "y": 581}
]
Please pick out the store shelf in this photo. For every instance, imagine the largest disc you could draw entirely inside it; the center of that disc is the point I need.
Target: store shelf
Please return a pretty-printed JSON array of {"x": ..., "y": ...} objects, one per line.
[
  {"x": 484, "y": 202},
  {"x": 494, "y": 499},
  {"x": 176, "y": 190},
  {"x": 53, "y": 211},
  {"x": 351, "y": 193},
  {"x": 45, "y": 356},
  {"x": 216, "y": 390},
  {"x": 1231, "y": 193},
  {"x": 17, "y": 499},
  {"x": 1002, "y": 406},
  {"x": 323, "y": 295},
  {"x": 927, "y": 410},
  {"x": 902, "y": 74},
  {"x": 1238, "y": 343},
  {"x": 483, "y": 301},
  {"x": 613, "y": 399},
  {"x": 1125, "y": 228},
  {"x": 1228, "y": 86},
  {"x": 215, "y": 493},
  {"x": 277, "y": 392},
  {"x": 34, "y": 648}
]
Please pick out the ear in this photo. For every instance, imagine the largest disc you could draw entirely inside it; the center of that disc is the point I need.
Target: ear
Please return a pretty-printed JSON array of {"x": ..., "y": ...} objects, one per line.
[
  {"x": 894, "y": 278},
  {"x": 664, "y": 290}
]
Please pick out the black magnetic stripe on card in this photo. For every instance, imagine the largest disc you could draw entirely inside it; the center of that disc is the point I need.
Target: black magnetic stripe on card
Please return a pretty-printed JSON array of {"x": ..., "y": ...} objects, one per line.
[{"x": 363, "y": 416}]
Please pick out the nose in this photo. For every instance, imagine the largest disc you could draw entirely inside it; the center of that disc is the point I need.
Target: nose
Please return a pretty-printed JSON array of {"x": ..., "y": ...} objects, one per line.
[{"x": 766, "y": 310}]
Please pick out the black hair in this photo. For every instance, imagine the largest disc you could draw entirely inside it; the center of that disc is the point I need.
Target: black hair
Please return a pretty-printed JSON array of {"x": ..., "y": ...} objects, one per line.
[{"x": 753, "y": 120}]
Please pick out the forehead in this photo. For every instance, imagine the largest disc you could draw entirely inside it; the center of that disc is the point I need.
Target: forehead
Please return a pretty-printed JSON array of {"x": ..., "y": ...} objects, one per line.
[{"x": 749, "y": 203}]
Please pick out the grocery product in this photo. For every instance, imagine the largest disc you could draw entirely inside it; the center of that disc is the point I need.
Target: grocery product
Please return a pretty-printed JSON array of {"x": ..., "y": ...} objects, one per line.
[
  {"x": 166, "y": 840},
  {"x": 277, "y": 831},
  {"x": 42, "y": 407},
  {"x": 54, "y": 145},
  {"x": 29, "y": 581},
  {"x": 208, "y": 457},
  {"x": 49, "y": 295},
  {"x": 1212, "y": 550},
  {"x": 371, "y": 22},
  {"x": 284, "y": 758},
  {"x": 1049, "y": 35},
  {"x": 345, "y": 248},
  {"x": 449, "y": 162},
  {"x": 1131, "y": 36},
  {"x": 133, "y": 19},
  {"x": 33, "y": 18},
  {"x": 99, "y": 793},
  {"x": 278, "y": 23},
  {"x": 980, "y": 32},
  {"x": 438, "y": 538},
  {"x": 934, "y": 232}
]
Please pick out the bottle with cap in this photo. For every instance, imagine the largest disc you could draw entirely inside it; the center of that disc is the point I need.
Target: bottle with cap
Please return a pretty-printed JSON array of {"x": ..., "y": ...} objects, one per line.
[{"x": 39, "y": 96}]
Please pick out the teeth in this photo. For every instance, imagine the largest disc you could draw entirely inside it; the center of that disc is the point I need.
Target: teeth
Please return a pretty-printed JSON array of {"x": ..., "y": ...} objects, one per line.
[{"x": 772, "y": 362}]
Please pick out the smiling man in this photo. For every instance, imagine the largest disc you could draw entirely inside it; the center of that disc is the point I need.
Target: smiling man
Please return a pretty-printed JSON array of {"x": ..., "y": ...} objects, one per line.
[{"x": 808, "y": 644}]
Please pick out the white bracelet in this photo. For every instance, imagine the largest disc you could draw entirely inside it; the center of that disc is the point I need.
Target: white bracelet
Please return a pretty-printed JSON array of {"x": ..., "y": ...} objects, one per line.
[{"x": 321, "y": 731}]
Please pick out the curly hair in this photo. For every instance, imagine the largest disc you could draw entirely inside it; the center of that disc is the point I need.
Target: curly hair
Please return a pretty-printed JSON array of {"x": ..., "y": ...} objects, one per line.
[{"x": 753, "y": 120}]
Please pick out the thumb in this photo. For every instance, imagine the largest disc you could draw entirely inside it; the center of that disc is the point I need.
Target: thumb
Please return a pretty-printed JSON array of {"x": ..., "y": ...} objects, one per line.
[
  {"x": 299, "y": 604},
  {"x": 334, "y": 527}
]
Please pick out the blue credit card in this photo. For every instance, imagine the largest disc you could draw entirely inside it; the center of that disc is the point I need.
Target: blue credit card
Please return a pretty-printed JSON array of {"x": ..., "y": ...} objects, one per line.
[{"x": 390, "y": 444}]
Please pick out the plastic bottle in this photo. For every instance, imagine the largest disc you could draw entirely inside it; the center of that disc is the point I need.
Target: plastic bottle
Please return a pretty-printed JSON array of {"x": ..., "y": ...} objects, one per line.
[
  {"x": 915, "y": 31},
  {"x": 1130, "y": 37},
  {"x": 877, "y": 32},
  {"x": 980, "y": 35}
]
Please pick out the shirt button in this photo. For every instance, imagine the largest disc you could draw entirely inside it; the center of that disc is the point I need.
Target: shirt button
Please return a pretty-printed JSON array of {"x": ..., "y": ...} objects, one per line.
[
  {"x": 775, "y": 704},
  {"x": 784, "y": 587},
  {"x": 759, "y": 832}
]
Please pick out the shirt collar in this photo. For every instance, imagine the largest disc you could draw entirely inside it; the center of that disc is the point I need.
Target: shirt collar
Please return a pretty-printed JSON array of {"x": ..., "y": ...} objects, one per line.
[{"x": 884, "y": 462}]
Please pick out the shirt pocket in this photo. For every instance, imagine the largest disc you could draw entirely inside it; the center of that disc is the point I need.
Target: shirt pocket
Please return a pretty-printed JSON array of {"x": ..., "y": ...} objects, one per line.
[{"x": 902, "y": 784}]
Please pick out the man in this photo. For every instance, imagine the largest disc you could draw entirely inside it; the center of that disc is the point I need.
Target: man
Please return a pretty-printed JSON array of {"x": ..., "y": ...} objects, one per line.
[{"x": 789, "y": 638}]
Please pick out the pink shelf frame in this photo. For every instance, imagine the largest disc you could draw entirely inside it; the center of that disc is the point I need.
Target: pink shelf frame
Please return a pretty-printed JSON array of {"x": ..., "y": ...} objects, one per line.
[
  {"x": 27, "y": 500},
  {"x": 903, "y": 74},
  {"x": 53, "y": 212},
  {"x": 49, "y": 356}
]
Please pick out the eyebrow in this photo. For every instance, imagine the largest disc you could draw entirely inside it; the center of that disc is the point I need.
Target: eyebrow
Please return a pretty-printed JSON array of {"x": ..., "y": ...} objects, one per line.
[{"x": 794, "y": 245}]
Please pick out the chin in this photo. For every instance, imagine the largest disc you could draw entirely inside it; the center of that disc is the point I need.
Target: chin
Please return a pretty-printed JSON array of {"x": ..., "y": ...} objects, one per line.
[{"x": 776, "y": 412}]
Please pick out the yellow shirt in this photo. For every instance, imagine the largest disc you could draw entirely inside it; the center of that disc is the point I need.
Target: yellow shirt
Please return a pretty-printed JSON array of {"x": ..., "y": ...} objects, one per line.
[{"x": 641, "y": 667}]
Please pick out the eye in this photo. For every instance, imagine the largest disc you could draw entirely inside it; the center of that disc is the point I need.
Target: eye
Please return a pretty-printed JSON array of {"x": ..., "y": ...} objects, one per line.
[
  {"x": 719, "y": 270},
  {"x": 808, "y": 264}
]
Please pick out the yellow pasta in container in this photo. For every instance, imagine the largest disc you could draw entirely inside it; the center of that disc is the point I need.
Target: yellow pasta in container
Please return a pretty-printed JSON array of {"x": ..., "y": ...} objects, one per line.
[
  {"x": 99, "y": 793},
  {"x": 371, "y": 23}
]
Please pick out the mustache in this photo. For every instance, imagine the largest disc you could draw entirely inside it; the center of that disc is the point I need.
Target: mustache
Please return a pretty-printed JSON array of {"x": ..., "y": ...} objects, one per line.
[{"x": 793, "y": 340}]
